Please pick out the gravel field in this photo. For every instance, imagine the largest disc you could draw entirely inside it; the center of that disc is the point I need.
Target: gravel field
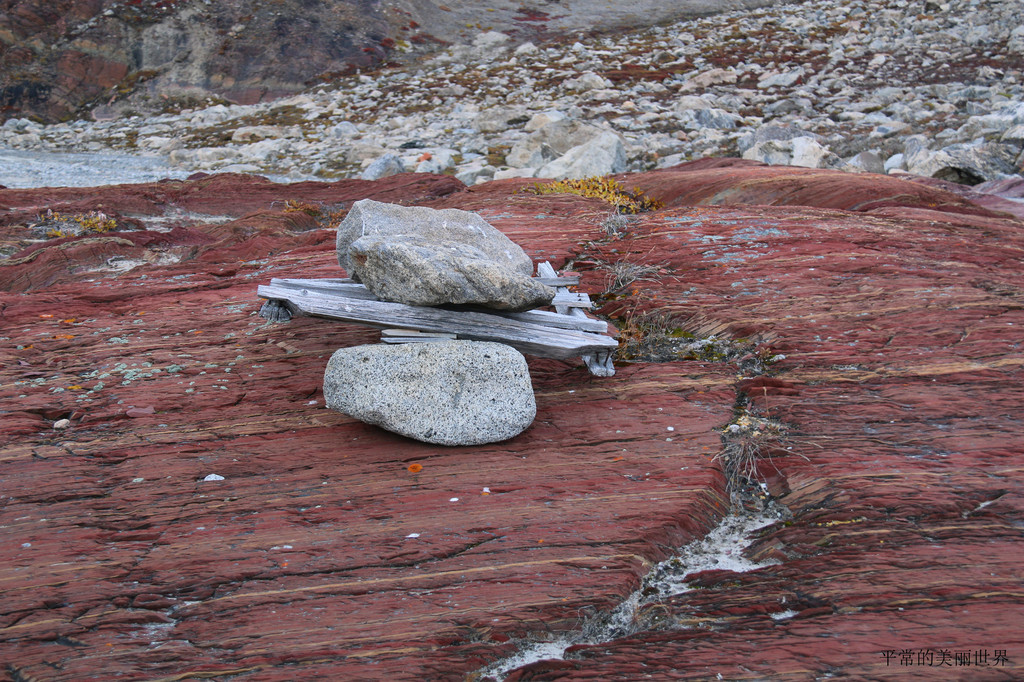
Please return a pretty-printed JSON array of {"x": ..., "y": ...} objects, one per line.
[{"x": 885, "y": 86}]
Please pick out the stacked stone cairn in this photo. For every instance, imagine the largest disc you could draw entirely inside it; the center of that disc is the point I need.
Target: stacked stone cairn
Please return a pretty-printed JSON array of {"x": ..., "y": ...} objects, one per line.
[{"x": 446, "y": 392}]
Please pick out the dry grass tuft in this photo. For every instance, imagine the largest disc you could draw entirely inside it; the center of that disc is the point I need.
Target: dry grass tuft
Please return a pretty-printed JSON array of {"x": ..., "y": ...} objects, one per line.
[
  {"x": 748, "y": 439},
  {"x": 329, "y": 216}
]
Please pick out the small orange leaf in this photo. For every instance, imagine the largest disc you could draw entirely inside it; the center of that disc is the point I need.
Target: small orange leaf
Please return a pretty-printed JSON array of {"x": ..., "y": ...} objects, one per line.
[
  {"x": 46, "y": 315},
  {"x": 76, "y": 387},
  {"x": 64, "y": 336},
  {"x": 415, "y": 468}
]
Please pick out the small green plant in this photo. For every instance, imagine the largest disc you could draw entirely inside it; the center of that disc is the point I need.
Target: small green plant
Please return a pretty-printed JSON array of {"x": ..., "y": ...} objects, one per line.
[
  {"x": 660, "y": 336},
  {"x": 614, "y": 192},
  {"x": 56, "y": 225}
]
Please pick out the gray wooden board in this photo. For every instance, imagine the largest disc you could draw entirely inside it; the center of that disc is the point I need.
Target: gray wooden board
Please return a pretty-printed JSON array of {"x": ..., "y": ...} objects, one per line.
[
  {"x": 553, "y": 280},
  {"x": 550, "y": 319},
  {"x": 544, "y": 269},
  {"x": 600, "y": 364},
  {"x": 350, "y": 289},
  {"x": 570, "y": 299},
  {"x": 404, "y": 333},
  {"x": 528, "y": 337}
]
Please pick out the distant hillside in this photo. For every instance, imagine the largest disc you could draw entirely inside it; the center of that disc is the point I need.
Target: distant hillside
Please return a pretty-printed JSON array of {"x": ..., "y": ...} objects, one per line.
[{"x": 59, "y": 58}]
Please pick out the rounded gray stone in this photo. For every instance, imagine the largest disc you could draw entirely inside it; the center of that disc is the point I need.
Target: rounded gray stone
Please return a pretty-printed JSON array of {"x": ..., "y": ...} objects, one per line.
[
  {"x": 368, "y": 218},
  {"x": 447, "y": 392},
  {"x": 414, "y": 271}
]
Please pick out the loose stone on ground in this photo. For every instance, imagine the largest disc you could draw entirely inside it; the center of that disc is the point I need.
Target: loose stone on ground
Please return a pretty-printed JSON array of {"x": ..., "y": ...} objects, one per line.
[
  {"x": 447, "y": 392},
  {"x": 369, "y": 218},
  {"x": 416, "y": 271},
  {"x": 424, "y": 256}
]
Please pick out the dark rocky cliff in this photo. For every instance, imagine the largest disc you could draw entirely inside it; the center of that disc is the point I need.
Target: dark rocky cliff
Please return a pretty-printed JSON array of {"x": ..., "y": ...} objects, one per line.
[
  {"x": 61, "y": 58},
  {"x": 57, "y": 58}
]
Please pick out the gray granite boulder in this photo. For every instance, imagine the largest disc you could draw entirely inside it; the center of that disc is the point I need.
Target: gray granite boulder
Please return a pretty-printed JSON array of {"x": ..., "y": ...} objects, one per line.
[
  {"x": 967, "y": 164},
  {"x": 417, "y": 271},
  {"x": 602, "y": 155},
  {"x": 866, "y": 162},
  {"x": 382, "y": 167},
  {"x": 368, "y": 218},
  {"x": 448, "y": 393}
]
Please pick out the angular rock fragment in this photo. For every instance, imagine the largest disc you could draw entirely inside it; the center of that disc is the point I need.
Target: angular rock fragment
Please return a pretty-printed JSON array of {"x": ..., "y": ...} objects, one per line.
[
  {"x": 602, "y": 155},
  {"x": 448, "y": 392},
  {"x": 968, "y": 164},
  {"x": 801, "y": 151},
  {"x": 382, "y": 167},
  {"x": 772, "y": 132},
  {"x": 785, "y": 80},
  {"x": 558, "y": 134},
  {"x": 866, "y": 162},
  {"x": 417, "y": 271},
  {"x": 369, "y": 218},
  {"x": 530, "y": 153}
]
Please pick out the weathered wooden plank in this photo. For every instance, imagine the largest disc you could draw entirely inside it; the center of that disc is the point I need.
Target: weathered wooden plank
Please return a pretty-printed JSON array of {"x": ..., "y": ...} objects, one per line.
[
  {"x": 400, "y": 333},
  {"x": 349, "y": 289},
  {"x": 570, "y": 299},
  {"x": 600, "y": 363},
  {"x": 545, "y": 270},
  {"x": 413, "y": 336},
  {"x": 345, "y": 288},
  {"x": 528, "y": 337},
  {"x": 550, "y": 319},
  {"x": 552, "y": 281},
  {"x": 559, "y": 281},
  {"x": 355, "y": 290}
]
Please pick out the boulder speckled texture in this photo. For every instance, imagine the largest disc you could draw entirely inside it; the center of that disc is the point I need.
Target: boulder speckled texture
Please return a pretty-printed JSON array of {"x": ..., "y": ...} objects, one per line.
[
  {"x": 374, "y": 218},
  {"x": 416, "y": 271},
  {"x": 447, "y": 392}
]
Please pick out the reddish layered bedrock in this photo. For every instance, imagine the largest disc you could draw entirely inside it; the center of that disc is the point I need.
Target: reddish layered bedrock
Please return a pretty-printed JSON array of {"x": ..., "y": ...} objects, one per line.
[{"x": 201, "y": 513}]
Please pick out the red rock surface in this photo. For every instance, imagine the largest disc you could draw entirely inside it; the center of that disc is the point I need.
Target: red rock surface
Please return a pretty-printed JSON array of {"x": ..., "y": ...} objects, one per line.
[{"x": 897, "y": 307}]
